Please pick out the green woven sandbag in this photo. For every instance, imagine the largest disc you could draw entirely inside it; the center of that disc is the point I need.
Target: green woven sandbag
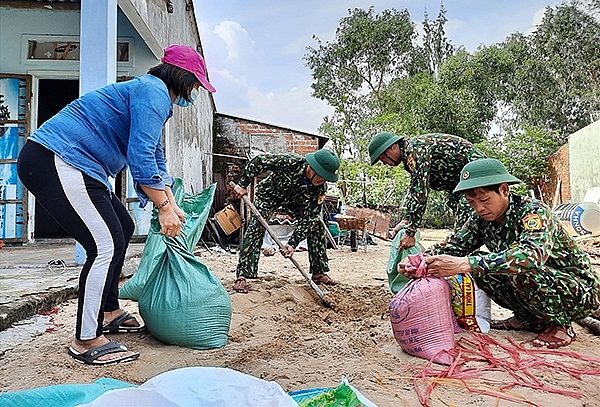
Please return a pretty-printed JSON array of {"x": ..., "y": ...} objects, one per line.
[
  {"x": 397, "y": 281},
  {"x": 196, "y": 208},
  {"x": 341, "y": 396},
  {"x": 183, "y": 303},
  {"x": 61, "y": 395}
]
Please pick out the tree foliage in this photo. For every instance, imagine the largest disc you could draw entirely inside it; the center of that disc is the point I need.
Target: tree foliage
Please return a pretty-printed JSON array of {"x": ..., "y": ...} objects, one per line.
[
  {"x": 368, "y": 51},
  {"x": 350, "y": 72},
  {"x": 557, "y": 86},
  {"x": 524, "y": 153},
  {"x": 518, "y": 99},
  {"x": 436, "y": 45}
]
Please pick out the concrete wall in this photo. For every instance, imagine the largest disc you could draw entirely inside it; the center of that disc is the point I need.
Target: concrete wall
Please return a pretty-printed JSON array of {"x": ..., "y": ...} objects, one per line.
[
  {"x": 191, "y": 127},
  {"x": 150, "y": 28},
  {"x": 584, "y": 160},
  {"x": 240, "y": 137}
]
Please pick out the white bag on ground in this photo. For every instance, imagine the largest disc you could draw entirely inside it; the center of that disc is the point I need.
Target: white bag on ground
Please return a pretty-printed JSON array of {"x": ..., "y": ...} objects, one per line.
[
  {"x": 199, "y": 386},
  {"x": 471, "y": 305}
]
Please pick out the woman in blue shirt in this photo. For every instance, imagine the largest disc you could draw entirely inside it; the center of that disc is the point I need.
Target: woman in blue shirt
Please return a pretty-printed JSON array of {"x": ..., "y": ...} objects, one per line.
[{"x": 66, "y": 164}]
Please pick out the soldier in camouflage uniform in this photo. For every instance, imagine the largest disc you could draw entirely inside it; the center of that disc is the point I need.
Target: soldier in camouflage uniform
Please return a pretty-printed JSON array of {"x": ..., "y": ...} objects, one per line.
[
  {"x": 297, "y": 186},
  {"x": 533, "y": 267},
  {"x": 434, "y": 162}
]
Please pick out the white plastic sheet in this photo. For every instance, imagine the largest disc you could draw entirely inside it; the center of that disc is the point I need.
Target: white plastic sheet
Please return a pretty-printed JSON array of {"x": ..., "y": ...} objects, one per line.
[{"x": 199, "y": 386}]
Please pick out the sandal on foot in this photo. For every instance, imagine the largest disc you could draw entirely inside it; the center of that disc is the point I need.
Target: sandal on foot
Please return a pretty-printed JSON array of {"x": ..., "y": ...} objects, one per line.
[
  {"x": 324, "y": 279},
  {"x": 240, "y": 285},
  {"x": 555, "y": 337},
  {"x": 116, "y": 325},
  {"x": 91, "y": 356},
  {"x": 513, "y": 324}
]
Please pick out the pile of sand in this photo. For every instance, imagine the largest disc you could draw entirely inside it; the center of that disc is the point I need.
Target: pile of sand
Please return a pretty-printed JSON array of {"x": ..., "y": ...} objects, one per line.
[{"x": 281, "y": 331}]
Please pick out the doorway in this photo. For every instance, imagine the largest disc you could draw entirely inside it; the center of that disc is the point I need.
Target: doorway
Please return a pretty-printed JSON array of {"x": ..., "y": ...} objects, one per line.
[{"x": 53, "y": 95}]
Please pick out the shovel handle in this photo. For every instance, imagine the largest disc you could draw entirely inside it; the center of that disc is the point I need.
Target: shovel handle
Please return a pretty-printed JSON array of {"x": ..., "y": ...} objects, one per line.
[{"x": 271, "y": 233}]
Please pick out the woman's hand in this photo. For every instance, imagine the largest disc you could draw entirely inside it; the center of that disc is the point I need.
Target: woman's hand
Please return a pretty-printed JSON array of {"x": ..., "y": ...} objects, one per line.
[
  {"x": 179, "y": 212},
  {"x": 170, "y": 225},
  {"x": 170, "y": 214}
]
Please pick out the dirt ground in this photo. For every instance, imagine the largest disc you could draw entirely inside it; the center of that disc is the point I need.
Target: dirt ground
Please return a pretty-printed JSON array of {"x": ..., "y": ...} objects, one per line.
[{"x": 282, "y": 332}]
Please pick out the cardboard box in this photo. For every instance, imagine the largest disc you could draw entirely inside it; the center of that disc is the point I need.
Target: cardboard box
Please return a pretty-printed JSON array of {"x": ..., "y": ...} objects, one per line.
[{"x": 228, "y": 219}]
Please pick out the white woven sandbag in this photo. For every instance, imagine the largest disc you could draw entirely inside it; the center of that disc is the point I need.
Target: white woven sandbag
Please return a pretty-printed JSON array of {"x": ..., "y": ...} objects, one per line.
[
  {"x": 471, "y": 305},
  {"x": 199, "y": 386}
]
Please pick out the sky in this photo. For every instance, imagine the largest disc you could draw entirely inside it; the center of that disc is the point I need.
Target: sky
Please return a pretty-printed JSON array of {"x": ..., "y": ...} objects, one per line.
[{"x": 254, "y": 48}]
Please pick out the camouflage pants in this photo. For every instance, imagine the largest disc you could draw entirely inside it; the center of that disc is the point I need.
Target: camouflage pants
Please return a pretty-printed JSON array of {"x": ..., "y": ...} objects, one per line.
[
  {"x": 547, "y": 294},
  {"x": 254, "y": 235}
]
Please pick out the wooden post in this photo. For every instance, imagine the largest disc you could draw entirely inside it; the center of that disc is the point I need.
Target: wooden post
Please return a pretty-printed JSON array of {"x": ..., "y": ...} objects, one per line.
[{"x": 556, "y": 199}]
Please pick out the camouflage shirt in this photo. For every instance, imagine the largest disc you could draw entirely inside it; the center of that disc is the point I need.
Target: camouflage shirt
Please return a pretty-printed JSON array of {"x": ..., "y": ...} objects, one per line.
[
  {"x": 434, "y": 161},
  {"x": 531, "y": 240},
  {"x": 286, "y": 188}
]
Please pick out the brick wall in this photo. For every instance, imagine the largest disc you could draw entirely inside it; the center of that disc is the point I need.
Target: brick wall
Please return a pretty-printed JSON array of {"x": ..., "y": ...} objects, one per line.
[
  {"x": 239, "y": 137},
  {"x": 558, "y": 170},
  {"x": 300, "y": 144},
  {"x": 295, "y": 143}
]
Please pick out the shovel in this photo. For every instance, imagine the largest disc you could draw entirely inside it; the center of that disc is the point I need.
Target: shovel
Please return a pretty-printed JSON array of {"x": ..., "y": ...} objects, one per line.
[{"x": 263, "y": 222}]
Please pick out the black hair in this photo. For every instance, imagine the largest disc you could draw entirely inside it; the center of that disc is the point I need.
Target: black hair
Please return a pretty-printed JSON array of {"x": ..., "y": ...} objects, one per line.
[
  {"x": 494, "y": 188},
  {"x": 180, "y": 81}
]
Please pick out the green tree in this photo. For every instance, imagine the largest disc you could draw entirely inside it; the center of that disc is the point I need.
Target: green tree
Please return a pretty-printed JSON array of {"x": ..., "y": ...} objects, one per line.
[
  {"x": 524, "y": 153},
  {"x": 591, "y": 7},
  {"x": 557, "y": 87},
  {"x": 350, "y": 72},
  {"x": 435, "y": 43},
  {"x": 461, "y": 101}
]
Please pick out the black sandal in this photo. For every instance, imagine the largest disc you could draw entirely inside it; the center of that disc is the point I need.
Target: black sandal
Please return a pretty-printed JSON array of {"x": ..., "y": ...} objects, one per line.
[
  {"x": 91, "y": 356},
  {"x": 116, "y": 325}
]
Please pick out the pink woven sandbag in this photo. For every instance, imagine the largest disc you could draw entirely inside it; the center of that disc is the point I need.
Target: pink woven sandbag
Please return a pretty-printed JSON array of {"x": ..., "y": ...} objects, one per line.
[{"x": 422, "y": 318}]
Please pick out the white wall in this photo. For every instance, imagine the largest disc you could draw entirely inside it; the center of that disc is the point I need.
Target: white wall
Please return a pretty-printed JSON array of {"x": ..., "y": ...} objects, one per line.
[
  {"x": 584, "y": 160},
  {"x": 189, "y": 131},
  {"x": 18, "y": 24}
]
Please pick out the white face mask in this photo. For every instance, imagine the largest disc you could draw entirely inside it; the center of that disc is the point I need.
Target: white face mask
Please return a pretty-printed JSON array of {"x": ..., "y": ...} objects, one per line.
[{"x": 180, "y": 101}]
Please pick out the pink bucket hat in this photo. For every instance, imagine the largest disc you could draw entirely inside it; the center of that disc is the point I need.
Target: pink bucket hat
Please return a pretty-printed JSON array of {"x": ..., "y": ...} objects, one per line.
[{"x": 188, "y": 58}]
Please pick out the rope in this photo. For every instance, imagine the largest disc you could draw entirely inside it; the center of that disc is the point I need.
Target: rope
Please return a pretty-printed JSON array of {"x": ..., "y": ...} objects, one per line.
[
  {"x": 416, "y": 266},
  {"x": 519, "y": 362}
]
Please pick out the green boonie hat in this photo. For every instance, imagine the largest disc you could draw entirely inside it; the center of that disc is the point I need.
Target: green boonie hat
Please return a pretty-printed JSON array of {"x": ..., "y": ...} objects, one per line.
[
  {"x": 484, "y": 172},
  {"x": 379, "y": 144},
  {"x": 325, "y": 163}
]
